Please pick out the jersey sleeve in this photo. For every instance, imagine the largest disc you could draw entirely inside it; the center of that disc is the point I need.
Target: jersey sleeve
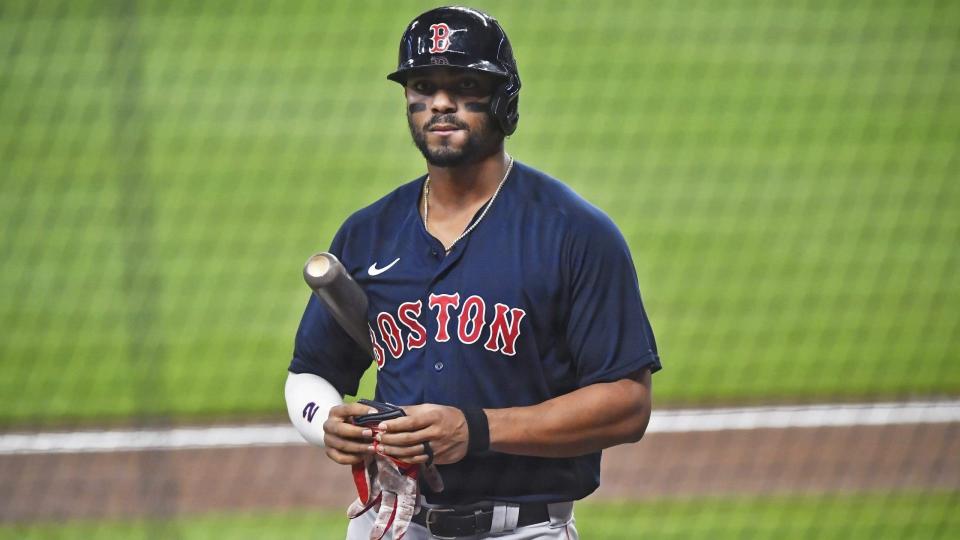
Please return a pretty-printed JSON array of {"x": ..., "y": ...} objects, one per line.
[
  {"x": 325, "y": 349},
  {"x": 608, "y": 331}
]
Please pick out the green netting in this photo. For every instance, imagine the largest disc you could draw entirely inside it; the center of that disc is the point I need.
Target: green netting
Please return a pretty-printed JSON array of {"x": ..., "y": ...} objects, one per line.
[
  {"x": 784, "y": 177},
  {"x": 785, "y": 173}
]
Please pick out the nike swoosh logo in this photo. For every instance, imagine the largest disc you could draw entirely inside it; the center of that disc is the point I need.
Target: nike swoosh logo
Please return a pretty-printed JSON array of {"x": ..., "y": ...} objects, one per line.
[{"x": 374, "y": 271}]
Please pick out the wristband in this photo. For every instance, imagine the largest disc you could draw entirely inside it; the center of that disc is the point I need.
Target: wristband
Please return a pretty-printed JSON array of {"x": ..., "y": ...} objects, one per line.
[{"x": 478, "y": 430}]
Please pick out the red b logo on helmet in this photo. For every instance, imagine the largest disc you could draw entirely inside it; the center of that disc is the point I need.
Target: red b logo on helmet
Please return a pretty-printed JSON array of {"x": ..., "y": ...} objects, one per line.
[{"x": 440, "y": 38}]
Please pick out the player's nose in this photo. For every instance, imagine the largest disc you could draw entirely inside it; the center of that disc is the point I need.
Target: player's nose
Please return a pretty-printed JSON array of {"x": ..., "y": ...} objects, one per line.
[{"x": 443, "y": 102}]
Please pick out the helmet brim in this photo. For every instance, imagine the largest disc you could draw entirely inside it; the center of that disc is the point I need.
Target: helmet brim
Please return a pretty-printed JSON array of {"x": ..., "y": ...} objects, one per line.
[{"x": 401, "y": 75}]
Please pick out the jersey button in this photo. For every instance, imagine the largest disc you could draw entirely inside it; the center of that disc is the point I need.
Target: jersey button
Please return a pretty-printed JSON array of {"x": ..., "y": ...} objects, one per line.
[{"x": 438, "y": 365}]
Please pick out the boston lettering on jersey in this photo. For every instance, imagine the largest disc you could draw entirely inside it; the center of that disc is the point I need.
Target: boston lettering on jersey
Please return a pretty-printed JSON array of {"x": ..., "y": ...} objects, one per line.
[{"x": 403, "y": 331}]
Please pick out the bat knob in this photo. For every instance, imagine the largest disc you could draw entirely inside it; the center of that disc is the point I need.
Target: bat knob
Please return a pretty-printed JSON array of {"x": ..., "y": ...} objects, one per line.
[{"x": 317, "y": 272}]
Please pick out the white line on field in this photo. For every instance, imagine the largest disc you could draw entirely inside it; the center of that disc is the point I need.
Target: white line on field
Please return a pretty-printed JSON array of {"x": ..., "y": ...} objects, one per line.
[
  {"x": 804, "y": 416},
  {"x": 663, "y": 421}
]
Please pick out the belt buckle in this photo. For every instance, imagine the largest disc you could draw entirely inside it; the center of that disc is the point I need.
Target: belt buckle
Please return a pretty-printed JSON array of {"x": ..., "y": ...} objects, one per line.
[{"x": 432, "y": 517}]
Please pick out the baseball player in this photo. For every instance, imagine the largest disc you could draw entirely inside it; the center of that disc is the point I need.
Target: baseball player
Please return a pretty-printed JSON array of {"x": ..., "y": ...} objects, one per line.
[{"x": 504, "y": 314}]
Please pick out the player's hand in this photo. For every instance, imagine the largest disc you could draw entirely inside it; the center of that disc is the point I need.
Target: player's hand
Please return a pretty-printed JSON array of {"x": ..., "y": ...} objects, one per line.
[
  {"x": 443, "y": 427},
  {"x": 346, "y": 443}
]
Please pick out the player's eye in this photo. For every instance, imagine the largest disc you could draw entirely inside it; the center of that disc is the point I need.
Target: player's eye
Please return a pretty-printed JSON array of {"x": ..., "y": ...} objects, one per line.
[
  {"x": 423, "y": 87},
  {"x": 469, "y": 84}
]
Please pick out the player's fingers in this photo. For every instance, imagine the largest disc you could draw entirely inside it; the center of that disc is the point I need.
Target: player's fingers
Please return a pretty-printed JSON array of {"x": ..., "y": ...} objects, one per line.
[
  {"x": 410, "y": 422},
  {"x": 348, "y": 410},
  {"x": 346, "y": 430},
  {"x": 407, "y": 438},
  {"x": 343, "y": 458},
  {"x": 345, "y": 445},
  {"x": 400, "y": 451},
  {"x": 408, "y": 454},
  {"x": 346, "y": 451}
]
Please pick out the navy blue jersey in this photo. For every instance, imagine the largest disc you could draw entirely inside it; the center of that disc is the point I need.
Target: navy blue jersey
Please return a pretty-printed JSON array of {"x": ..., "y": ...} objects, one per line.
[{"x": 540, "y": 299}]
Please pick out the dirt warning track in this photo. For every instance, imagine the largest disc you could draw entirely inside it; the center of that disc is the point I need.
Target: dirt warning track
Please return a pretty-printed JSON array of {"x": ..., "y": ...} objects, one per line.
[{"x": 43, "y": 486}]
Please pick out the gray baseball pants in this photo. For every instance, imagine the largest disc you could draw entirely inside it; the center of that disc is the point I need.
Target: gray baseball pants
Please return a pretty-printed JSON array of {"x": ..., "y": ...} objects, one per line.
[{"x": 560, "y": 527}]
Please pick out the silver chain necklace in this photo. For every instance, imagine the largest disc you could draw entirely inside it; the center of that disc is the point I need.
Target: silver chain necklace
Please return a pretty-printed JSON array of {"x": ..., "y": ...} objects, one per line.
[{"x": 426, "y": 205}]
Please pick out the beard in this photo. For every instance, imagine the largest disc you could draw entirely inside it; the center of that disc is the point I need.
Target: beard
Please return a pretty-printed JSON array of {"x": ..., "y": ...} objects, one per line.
[{"x": 481, "y": 143}]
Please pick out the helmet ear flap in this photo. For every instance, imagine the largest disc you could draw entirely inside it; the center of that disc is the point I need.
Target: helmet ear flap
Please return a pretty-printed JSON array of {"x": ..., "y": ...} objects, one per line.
[{"x": 504, "y": 105}]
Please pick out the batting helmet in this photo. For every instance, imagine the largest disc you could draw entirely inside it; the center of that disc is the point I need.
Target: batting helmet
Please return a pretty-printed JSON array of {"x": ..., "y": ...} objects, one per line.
[{"x": 464, "y": 38}]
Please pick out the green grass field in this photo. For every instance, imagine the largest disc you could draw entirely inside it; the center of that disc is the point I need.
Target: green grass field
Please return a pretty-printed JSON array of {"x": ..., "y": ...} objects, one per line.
[
  {"x": 902, "y": 516},
  {"x": 786, "y": 177}
]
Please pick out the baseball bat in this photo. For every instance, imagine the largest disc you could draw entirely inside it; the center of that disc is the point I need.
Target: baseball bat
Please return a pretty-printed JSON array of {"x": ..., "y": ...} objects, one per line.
[{"x": 346, "y": 301}]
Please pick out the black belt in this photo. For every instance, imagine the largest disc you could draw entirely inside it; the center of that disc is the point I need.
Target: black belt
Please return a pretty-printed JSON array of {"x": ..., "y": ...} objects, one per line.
[{"x": 453, "y": 522}]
